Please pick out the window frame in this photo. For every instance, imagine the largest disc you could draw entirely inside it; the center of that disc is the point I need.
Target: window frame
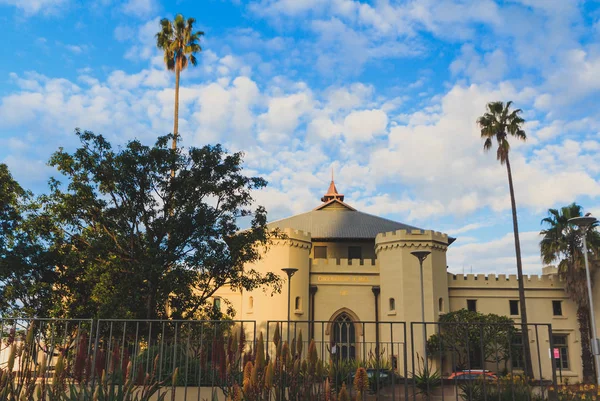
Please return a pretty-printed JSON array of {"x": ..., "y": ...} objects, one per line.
[
  {"x": 517, "y": 349},
  {"x": 320, "y": 248},
  {"x": 563, "y": 359},
  {"x": 355, "y": 248},
  {"x": 513, "y": 303},
  {"x": 554, "y": 309},
  {"x": 472, "y": 302}
]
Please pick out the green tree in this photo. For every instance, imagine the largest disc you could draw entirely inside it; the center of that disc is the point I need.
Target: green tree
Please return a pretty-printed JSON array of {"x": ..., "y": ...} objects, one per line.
[
  {"x": 472, "y": 337},
  {"x": 26, "y": 264},
  {"x": 133, "y": 242},
  {"x": 561, "y": 244},
  {"x": 498, "y": 123},
  {"x": 180, "y": 44}
]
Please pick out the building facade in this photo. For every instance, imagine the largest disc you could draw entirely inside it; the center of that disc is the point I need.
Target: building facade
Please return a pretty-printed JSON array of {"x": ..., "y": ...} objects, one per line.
[{"x": 357, "y": 291}]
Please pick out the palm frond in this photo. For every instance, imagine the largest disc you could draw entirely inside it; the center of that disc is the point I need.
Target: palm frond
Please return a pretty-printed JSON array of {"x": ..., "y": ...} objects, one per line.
[{"x": 179, "y": 42}]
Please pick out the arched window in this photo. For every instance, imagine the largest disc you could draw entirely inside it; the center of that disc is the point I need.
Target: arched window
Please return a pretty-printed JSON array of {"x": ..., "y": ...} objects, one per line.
[
  {"x": 217, "y": 304},
  {"x": 441, "y": 304},
  {"x": 392, "y": 304},
  {"x": 251, "y": 303},
  {"x": 344, "y": 337},
  {"x": 298, "y": 303}
]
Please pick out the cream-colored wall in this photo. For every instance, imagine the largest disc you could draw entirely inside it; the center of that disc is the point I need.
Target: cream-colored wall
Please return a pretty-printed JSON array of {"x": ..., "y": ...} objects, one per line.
[
  {"x": 400, "y": 278},
  {"x": 493, "y": 294},
  {"x": 344, "y": 285}
]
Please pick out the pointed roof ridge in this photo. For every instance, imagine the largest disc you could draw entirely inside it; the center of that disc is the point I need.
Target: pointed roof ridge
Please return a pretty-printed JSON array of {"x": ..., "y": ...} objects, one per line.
[
  {"x": 334, "y": 200},
  {"x": 332, "y": 192}
]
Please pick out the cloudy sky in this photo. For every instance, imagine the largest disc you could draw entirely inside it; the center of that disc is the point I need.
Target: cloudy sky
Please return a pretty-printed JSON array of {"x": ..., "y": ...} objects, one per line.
[{"x": 385, "y": 92}]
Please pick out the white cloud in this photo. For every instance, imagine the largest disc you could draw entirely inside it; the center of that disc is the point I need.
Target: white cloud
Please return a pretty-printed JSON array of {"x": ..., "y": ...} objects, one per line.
[
  {"x": 478, "y": 67},
  {"x": 365, "y": 124},
  {"x": 283, "y": 116},
  {"x": 31, "y": 7},
  {"x": 123, "y": 33},
  {"x": 140, "y": 8},
  {"x": 496, "y": 256},
  {"x": 466, "y": 228}
]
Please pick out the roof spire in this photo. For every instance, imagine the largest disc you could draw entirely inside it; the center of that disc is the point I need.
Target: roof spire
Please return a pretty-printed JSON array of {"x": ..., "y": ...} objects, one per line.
[{"x": 332, "y": 192}]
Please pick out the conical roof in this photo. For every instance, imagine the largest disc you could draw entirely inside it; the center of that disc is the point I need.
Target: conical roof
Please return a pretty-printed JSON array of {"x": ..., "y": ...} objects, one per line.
[{"x": 335, "y": 219}]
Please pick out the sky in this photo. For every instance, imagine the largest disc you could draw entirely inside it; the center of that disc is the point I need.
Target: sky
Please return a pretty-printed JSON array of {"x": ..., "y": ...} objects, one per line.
[{"x": 385, "y": 93}]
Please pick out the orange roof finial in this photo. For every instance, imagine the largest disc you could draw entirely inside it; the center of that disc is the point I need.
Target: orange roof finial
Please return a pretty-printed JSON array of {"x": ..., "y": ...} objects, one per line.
[{"x": 332, "y": 192}]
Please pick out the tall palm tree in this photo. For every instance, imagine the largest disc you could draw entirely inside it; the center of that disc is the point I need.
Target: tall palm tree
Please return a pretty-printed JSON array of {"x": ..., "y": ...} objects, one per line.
[
  {"x": 561, "y": 244},
  {"x": 180, "y": 44},
  {"x": 498, "y": 123}
]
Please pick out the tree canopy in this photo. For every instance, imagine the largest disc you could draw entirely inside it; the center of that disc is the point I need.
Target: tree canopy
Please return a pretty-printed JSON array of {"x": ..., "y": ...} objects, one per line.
[
  {"x": 473, "y": 337},
  {"x": 130, "y": 241}
]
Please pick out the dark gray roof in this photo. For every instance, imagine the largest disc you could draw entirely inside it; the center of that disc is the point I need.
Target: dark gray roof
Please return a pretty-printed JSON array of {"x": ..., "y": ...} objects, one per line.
[{"x": 340, "y": 223}]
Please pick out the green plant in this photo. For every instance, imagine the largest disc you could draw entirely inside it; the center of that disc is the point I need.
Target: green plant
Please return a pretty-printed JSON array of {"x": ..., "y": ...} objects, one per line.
[
  {"x": 426, "y": 380},
  {"x": 112, "y": 388},
  {"x": 506, "y": 388}
]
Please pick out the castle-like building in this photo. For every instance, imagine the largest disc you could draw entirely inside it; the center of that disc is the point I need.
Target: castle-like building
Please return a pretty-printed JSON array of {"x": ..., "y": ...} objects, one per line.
[{"x": 357, "y": 290}]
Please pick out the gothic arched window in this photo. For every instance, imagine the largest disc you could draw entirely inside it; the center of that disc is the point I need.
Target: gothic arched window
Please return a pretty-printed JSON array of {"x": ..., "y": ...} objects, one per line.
[{"x": 344, "y": 336}]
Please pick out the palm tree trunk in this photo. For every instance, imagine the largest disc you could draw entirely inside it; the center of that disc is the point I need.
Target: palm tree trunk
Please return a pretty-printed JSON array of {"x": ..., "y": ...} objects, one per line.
[
  {"x": 176, "y": 117},
  {"x": 524, "y": 328},
  {"x": 587, "y": 359}
]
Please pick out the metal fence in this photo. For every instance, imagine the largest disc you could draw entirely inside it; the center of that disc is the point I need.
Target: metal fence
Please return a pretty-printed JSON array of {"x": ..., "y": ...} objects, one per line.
[{"x": 301, "y": 360}]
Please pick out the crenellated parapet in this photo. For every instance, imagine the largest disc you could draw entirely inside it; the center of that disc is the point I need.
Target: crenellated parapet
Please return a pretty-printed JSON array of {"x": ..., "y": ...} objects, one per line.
[
  {"x": 345, "y": 263},
  {"x": 294, "y": 238},
  {"x": 417, "y": 239},
  {"x": 502, "y": 281}
]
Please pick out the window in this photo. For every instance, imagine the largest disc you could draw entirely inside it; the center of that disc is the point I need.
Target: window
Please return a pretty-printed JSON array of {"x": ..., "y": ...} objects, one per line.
[
  {"x": 320, "y": 252},
  {"x": 344, "y": 337},
  {"x": 392, "y": 304},
  {"x": 298, "y": 303},
  {"x": 472, "y": 305},
  {"x": 354, "y": 252},
  {"x": 217, "y": 304},
  {"x": 514, "y": 307},
  {"x": 557, "y": 308},
  {"x": 441, "y": 305},
  {"x": 560, "y": 342},
  {"x": 516, "y": 352},
  {"x": 251, "y": 303}
]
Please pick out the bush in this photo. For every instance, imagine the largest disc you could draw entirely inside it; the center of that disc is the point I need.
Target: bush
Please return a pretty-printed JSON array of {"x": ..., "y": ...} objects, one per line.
[{"x": 506, "y": 388}]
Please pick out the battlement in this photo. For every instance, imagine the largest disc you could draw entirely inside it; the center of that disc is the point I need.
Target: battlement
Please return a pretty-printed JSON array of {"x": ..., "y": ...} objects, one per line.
[
  {"x": 411, "y": 239},
  {"x": 502, "y": 281},
  {"x": 345, "y": 263},
  {"x": 411, "y": 235},
  {"x": 294, "y": 238}
]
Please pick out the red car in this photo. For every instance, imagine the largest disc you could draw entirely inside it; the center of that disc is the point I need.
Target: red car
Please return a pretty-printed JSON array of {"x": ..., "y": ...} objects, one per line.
[{"x": 473, "y": 374}]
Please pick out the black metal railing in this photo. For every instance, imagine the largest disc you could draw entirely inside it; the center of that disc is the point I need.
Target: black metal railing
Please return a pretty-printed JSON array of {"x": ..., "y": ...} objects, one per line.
[{"x": 467, "y": 361}]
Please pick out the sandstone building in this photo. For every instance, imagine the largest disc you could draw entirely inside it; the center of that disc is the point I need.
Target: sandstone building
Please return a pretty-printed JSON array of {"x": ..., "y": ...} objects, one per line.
[{"x": 357, "y": 270}]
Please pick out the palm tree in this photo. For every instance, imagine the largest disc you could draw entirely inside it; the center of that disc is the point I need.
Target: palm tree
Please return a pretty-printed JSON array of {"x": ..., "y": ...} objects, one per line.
[
  {"x": 180, "y": 44},
  {"x": 561, "y": 244},
  {"x": 498, "y": 123}
]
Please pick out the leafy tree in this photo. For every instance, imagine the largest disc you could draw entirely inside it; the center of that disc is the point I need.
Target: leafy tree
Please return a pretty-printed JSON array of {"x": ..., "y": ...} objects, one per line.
[
  {"x": 133, "y": 242},
  {"x": 561, "y": 244},
  {"x": 26, "y": 265},
  {"x": 180, "y": 44},
  {"x": 468, "y": 335},
  {"x": 498, "y": 123}
]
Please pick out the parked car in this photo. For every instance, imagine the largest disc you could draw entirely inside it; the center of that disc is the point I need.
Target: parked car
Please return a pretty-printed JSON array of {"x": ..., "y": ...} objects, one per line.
[
  {"x": 473, "y": 374},
  {"x": 385, "y": 378}
]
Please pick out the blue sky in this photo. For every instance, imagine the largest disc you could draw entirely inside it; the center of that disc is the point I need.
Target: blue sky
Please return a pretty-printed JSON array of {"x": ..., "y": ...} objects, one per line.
[{"x": 384, "y": 92}]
